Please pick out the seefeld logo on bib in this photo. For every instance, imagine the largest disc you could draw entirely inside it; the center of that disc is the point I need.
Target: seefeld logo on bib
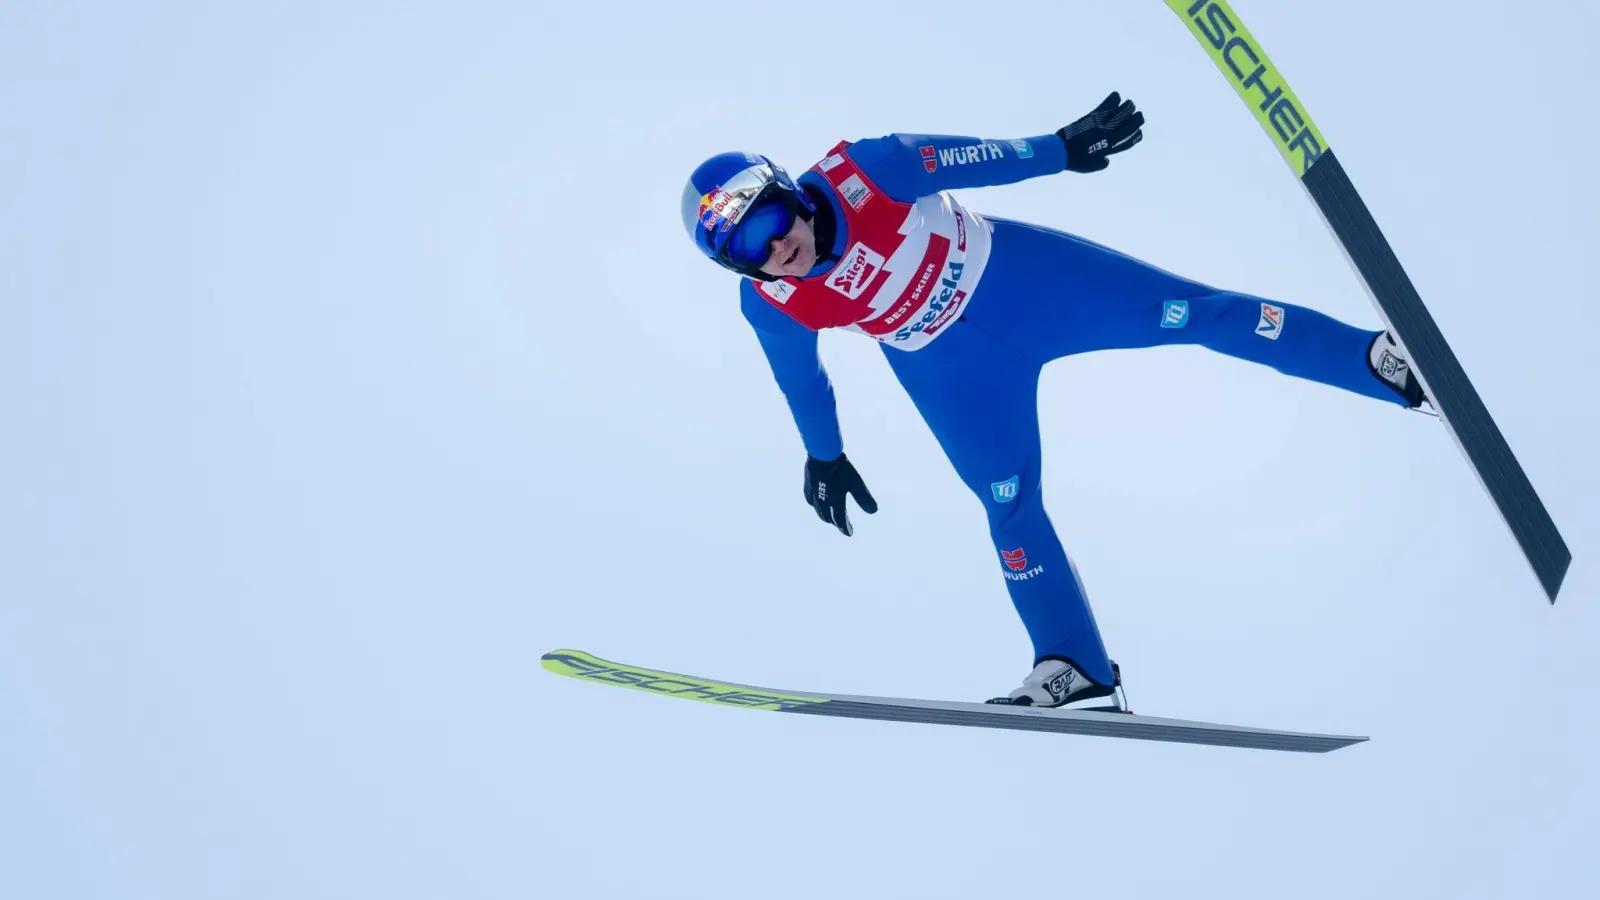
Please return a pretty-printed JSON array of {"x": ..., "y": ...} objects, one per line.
[{"x": 940, "y": 308}]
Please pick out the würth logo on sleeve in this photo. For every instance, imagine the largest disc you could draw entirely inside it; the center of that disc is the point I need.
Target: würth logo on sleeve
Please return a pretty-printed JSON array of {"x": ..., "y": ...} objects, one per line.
[
  {"x": 972, "y": 153},
  {"x": 930, "y": 158},
  {"x": 855, "y": 272}
]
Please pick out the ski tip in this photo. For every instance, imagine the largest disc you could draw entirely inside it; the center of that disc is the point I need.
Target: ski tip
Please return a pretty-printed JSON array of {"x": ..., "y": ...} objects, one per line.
[
  {"x": 557, "y": 660},
  {"x": 588, "y": 667}
]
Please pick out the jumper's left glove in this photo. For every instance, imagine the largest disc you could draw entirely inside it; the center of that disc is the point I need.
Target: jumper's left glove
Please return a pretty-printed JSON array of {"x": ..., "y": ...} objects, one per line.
[
  {"x": 1113, "y": 127},
  {"x": 827, "y": 486}
]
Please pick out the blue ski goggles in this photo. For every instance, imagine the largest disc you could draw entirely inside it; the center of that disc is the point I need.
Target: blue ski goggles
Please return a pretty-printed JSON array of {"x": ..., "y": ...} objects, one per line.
[{"x": 770, "y": 217}]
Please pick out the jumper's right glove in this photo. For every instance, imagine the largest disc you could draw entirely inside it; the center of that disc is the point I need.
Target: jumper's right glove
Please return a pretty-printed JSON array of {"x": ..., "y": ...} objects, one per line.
[
  {"x": 1113, "y": 127},
  {"x": 827, "y": 483}
]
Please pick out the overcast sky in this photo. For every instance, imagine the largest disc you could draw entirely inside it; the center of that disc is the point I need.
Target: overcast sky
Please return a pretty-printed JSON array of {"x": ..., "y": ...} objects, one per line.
[{"x": 352, "y": 356}]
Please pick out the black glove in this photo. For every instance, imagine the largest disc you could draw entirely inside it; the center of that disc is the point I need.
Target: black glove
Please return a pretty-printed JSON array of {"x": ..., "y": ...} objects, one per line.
[
  {"x": 1113, "y": 127},
  {"x": 827, "y": 483}
]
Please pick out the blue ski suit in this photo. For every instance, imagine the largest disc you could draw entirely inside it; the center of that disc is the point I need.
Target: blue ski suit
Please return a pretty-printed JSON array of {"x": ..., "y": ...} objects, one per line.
[{"x": 1045, "y": 295}]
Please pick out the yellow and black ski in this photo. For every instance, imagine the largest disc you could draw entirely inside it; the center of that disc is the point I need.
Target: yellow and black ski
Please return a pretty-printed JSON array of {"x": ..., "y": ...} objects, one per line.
[
  {"x": 1244, "y": 63},
  {"x": 584, "y": 667}
]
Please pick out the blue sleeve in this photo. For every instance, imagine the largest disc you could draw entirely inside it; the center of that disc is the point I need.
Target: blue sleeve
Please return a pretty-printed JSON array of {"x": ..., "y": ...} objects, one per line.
[
  {"x": 908, "y": 166},
  {"x": 791, "y": 350}
]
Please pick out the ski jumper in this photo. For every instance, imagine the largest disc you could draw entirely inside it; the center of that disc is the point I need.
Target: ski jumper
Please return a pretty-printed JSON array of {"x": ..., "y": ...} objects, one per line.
[{"x": 967, "y": 332}]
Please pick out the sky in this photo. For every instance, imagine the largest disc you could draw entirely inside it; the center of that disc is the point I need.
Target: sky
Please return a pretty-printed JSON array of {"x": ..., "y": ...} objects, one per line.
[{"x": 352, "y": 356}]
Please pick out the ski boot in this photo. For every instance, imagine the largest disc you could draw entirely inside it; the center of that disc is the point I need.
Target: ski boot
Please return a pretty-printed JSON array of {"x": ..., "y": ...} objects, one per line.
[
  {"x": 1383, "y": 357},
  {"x": 1057, "y": 683}
]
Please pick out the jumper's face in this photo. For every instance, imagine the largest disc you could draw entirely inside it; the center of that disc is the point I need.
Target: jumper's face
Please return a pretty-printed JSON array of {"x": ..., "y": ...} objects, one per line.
[{"x": 794, "y": 252}]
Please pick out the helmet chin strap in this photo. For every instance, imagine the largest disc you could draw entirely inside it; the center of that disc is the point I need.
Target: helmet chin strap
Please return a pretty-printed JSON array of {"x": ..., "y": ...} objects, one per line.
[{"x": 824, "y": 225}]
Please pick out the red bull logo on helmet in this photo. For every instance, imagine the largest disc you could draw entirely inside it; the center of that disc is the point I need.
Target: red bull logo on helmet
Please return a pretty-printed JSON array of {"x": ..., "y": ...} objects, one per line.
[{"x": 715, "y": 207}]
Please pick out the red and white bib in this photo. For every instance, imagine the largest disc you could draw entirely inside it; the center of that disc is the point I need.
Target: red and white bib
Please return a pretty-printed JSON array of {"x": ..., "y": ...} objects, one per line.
[{"x": 907, "y": 272}]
